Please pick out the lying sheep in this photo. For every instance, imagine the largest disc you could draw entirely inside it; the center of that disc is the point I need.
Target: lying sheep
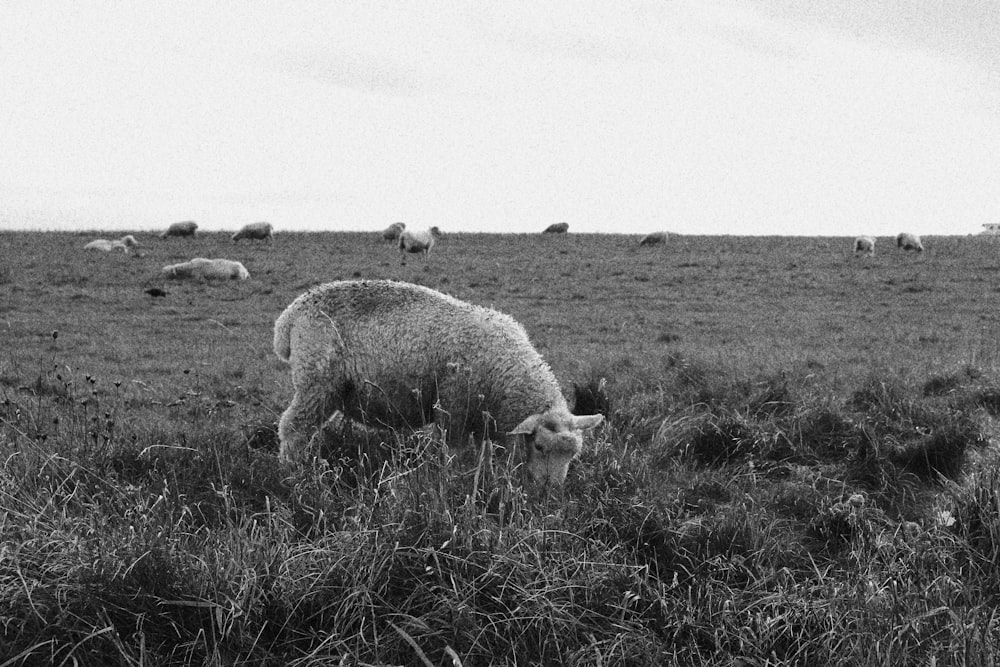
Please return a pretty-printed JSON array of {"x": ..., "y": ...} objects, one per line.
[
  {"x": 125, "y": 243},
  {"x": 255, "y": 231},
  {"x": 396, "y": 355},
  {"x": 187, "y": 228},
  {"x": 420, "y": 240},
  {"x": 557, "y": 228},
  {"x": 909, "y": 242},
  {"x": 392, "y": 232},
  {"x": 655, "y": 238},
  {"x": 865, "y": 244},
  {"x": 207, "y": 269}
]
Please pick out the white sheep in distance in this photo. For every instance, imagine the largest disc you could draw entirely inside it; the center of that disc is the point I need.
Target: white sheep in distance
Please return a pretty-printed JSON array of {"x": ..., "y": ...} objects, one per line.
[
  {"x": 395, "y": 355},
  {"x": 255, "y": 231},
  {"x": 125, "y": 243},
  {"x": 186, "y": 228},
  {"x": 865, "y": 244},
  {"x": 557, "y": 228},
  {"x": 655, "y": 238},
  {"x": 392, "y": 232},
  {"x": 908, "y": 241},
  {"x": 417, "y": 240},
  {"x": 207, "y": 269}
]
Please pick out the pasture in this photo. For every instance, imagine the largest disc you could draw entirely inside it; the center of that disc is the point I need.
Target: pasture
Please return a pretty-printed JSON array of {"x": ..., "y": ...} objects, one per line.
[{"x": 798, "y": 465}]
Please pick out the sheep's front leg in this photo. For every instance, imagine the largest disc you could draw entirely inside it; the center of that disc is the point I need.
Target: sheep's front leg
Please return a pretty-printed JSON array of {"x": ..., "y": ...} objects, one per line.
[
  {"x": 300, "y": 424},
  {"x": 313, "y": 378}
]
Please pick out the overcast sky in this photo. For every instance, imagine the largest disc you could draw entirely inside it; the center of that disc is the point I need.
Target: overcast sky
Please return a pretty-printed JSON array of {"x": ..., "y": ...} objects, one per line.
[{"x": 703, "y": 116}]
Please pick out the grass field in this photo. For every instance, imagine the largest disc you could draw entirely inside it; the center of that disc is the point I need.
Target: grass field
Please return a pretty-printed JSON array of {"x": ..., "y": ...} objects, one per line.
[{"x": 798, "y": 465}]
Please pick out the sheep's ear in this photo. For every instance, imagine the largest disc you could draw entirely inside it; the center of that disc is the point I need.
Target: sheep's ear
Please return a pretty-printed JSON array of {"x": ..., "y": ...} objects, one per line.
[
  {"x": 585, "y": 422},
  {"x": 527, "y": 427}
]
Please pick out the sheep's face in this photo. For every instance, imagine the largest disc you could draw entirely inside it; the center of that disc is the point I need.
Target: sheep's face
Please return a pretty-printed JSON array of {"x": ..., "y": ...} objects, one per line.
[{"x": 551, "y": 440}]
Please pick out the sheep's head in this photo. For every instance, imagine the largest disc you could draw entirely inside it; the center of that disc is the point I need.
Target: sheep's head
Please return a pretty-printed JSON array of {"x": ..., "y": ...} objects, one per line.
[{"x": 552, "y": 439}]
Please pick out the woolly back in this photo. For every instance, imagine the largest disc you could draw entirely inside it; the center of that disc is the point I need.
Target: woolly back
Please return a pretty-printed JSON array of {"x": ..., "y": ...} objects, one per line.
[{"x": 420, "y": 328}]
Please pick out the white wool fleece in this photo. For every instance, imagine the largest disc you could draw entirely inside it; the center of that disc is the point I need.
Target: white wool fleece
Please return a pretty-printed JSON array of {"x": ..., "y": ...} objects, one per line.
[{"x": 392, "y": 354}]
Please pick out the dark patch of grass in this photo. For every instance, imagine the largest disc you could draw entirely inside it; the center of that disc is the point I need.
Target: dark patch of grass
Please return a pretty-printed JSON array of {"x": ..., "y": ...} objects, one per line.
[
  {"x": 262, "y": 435},
  {"x": 717, "y": 441},
  {"x": 876, "y": 395},
  {"x": 941, "y": 385},
  {"x": 943, "y": 452},
  {"x": 704, "y": 495},
  {"x": 796, "y": 500},
  {"x": 773, "y": 398},
  {"x": 829, "y": 433},
  {"x": 591, "y": 398},
  {"x": 989, "y": 399},
  {"x": 843, "y": 523}
]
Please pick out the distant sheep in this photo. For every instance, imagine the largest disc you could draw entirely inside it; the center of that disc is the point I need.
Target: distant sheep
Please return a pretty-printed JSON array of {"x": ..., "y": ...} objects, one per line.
[
  {"x": 395, "y": 355},
  {"x": 557, "y": 228},
  {"x": 187, "y": 228},
  {"x": 414, "y": 241},
  {"x": 207, "y": 269},
  {"x": 125, "y": 244},
  {"x": 865, "y": 244},
  {"x": 255, "y": 231},
  {"x": 392, "y": 232},
  {"x": 656, "y": 238},
  {"x": 909, "y": 242}
]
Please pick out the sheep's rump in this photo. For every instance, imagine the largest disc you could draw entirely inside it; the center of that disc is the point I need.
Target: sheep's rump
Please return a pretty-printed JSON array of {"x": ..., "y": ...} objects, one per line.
[
  {"x": 186, "y": 228},
  {"x": 557, "y": 228},
  {"x": 865, "y": 244},
  {"x": 207, "y": 269},
  {"x": 418, "y": 240},
  {"x": 655, "y": 238},
  {"x": 124, "y": 243},
  {"x": 392, "y": 232},
  {"x": 909, "y": 242},
  {"x": 255, "y": 231},
  {"x": 391, "y": 354}
]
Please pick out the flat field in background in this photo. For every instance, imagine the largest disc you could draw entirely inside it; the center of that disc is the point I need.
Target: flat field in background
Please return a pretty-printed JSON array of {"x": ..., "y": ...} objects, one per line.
[
  {"x": 592, "y": 304},
  {"x": 798, "y": 465}
]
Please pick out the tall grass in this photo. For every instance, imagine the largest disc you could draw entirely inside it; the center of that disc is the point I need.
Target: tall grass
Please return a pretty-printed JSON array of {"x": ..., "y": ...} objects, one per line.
[{"x": 763, "y": 525}]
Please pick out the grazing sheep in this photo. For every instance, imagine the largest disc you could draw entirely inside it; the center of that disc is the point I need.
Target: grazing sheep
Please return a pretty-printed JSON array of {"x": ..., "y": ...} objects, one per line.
[
  {"x": 655, "y": 238},
  {"x": 909, "y": 242},
  {"x": 255, "y": 231},
  {"x": 125, "y": 243},
  {"x": 420, "y": 240},
  {"x": 394, "y": 355},
  {"x": 392, "y": 232},
  {"x": 865, "y": 244},
  {"x": 557, "y": 228},
  {"x": 180, "y": 229},
  {"x": 207, "y": 269}
]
